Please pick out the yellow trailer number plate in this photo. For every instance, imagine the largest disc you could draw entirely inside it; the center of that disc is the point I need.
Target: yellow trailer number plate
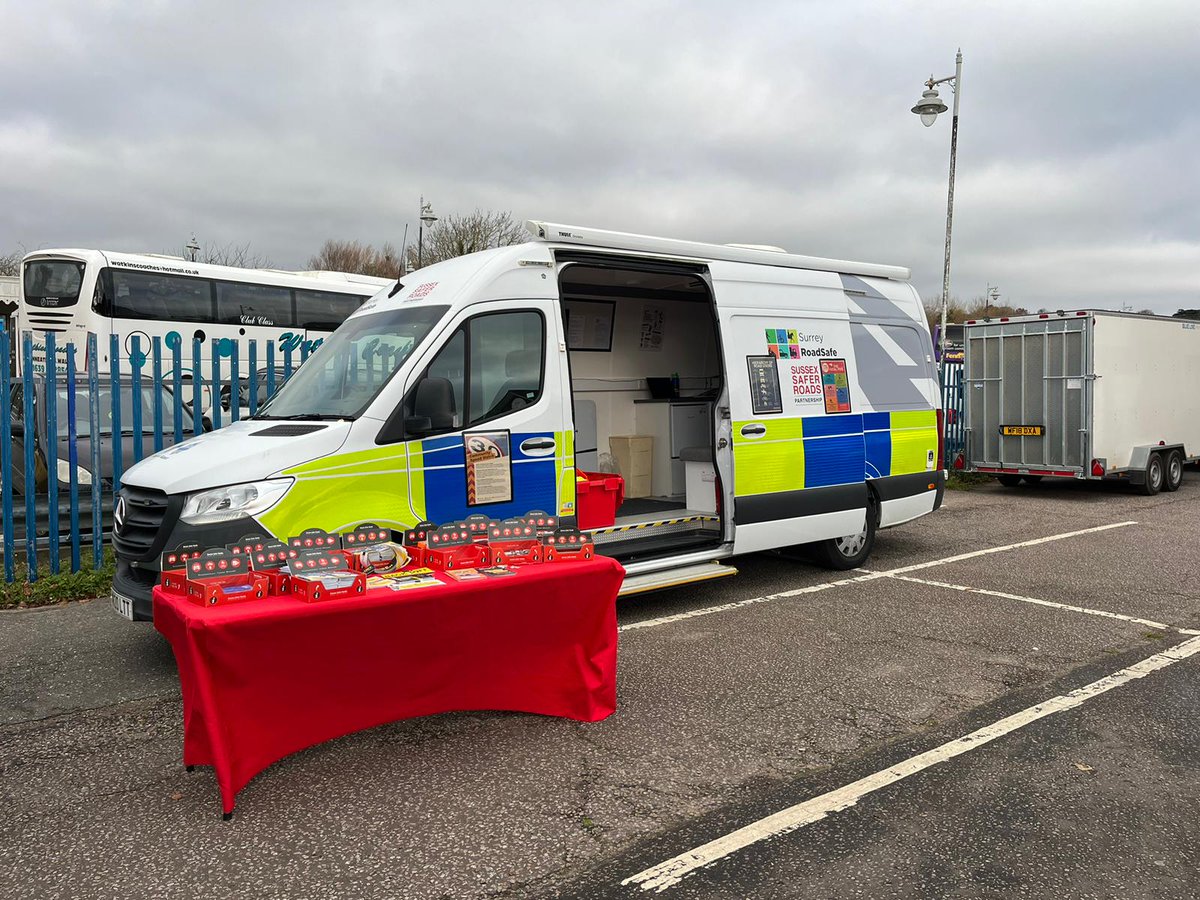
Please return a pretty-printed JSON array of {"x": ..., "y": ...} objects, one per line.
[{"x": 1022, "y": 430}]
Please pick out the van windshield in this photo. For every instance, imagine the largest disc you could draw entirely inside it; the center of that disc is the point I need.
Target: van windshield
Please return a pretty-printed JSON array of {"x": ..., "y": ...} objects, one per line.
[{"x": 345, "y": 373}]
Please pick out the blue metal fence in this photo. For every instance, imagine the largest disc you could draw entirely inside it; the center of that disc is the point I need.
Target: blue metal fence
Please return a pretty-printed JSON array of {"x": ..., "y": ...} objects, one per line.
[
  {"x": 954, "y": 410},
  {"x": 65, "y": 440}
]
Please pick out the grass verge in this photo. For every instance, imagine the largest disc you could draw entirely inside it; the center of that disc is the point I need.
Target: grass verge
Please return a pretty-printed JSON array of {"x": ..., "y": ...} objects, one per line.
[
  {"x": 49, "y": 589},
  {"x": 966, "y": 481}
]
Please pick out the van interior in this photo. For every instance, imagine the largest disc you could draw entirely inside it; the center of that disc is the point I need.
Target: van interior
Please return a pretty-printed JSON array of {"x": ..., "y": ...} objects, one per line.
[{"x": 646, "y": 375}]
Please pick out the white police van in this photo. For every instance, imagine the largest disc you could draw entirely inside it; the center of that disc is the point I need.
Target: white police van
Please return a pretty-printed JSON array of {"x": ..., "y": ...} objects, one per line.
[{"x": 787, "y": 400}]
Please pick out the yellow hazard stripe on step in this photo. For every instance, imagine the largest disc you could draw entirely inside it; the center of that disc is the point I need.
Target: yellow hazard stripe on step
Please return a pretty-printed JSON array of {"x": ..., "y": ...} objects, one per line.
[{"x": 659, "y": 524}]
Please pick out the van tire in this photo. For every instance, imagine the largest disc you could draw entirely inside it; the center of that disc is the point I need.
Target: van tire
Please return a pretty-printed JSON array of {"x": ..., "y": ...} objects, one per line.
[
  {"x": 1154, "y": 480},
  {"x": 1173, "y": 471},
  {"x": 1009, "y": 480},
  {"x": 851, "y": 551}
]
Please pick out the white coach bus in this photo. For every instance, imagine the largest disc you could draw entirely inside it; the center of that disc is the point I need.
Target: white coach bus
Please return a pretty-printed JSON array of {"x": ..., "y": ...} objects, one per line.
[{"x": 74, "y": 293}]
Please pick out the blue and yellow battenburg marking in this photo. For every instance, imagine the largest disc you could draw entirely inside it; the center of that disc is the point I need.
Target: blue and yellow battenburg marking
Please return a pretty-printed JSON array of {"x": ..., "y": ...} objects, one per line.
[
  {"x": 421, "y": 480},
  {"x": 821, "y": 451}
]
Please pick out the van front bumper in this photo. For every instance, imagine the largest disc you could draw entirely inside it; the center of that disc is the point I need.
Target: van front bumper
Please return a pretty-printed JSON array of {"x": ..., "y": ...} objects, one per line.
[{"x": 139, "y": 552}]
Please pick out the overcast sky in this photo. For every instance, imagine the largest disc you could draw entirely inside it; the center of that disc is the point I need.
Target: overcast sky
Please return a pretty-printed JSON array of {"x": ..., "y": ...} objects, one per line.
[{"x": 281, "y": 124}]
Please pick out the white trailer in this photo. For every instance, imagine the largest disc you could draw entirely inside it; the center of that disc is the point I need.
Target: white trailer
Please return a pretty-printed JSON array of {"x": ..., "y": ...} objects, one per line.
[{"x": 1090, "y": 394}]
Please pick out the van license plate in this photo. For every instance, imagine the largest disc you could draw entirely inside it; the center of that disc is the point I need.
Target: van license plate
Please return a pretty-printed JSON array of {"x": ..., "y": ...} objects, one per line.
[
  {"x": 1022, "y": 430},
  {"x": 123, "y": 606}
]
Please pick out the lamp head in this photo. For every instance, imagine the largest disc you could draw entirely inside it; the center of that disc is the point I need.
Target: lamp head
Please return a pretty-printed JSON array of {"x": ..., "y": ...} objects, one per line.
[
  {"x": 427, "y": 216},
  {"x": 929, "y": 106}
]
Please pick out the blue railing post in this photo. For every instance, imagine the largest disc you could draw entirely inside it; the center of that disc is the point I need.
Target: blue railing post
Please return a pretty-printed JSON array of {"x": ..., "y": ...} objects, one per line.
[
  {"x": 197, "y": 415},
  {"x": 51, "y": 449},
  {"x": 73, "y": 457},
  {"x": 6, "y": 460},
  {"x": 287, "y": 361},
  {"x": 29, "y": 432},
  {"x": 234, "y": 385},
  {"x": 215, "y": 389},
  {"x": 156, "y": 353},
  {"x": 177, "y": 389},
  {"x": 252, "y": 377},
  {"x": 93, "y": 372},
  {"x": 270, "y": 369},
  {"x": 114, "y": 397},
  {"x": 136, "y": 360}
]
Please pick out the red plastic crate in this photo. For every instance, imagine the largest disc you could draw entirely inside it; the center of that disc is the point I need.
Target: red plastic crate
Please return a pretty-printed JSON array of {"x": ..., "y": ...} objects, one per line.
[{"x": 597, "y": 499}]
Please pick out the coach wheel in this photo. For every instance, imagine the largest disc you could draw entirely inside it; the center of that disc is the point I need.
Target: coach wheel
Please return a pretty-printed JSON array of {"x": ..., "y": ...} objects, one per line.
[
  {"x": 1173, "y": 471},
  {"x": 1009, "y": 480}
]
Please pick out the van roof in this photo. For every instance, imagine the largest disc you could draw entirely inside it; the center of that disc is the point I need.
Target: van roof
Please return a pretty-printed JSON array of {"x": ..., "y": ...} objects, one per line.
[{"x": 554, "y": 233}]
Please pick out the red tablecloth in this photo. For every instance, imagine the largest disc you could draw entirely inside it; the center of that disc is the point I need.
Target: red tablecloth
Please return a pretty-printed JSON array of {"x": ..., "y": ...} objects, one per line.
[{"x": 266, "y": 678}]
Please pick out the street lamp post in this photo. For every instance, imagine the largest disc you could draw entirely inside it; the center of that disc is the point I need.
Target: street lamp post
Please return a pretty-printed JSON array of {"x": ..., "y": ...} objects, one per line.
[
  {"x": 928, "y": 108},
  {"x": 427, "y": 218}
]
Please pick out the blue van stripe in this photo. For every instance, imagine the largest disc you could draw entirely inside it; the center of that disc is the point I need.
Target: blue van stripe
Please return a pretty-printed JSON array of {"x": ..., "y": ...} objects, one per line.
[{"x": 826, "y": 426}]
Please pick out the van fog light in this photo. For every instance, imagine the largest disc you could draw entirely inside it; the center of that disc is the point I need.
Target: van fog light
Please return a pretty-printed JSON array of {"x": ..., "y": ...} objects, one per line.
[{"x": 233, "y": 502}]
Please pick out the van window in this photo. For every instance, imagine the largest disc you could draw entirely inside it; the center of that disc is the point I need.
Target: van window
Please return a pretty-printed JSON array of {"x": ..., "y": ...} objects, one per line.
[
  {"x": 351, "y": 367},
  {"x": 507, "y": 352},
  {"x": 500, "y": 355}
]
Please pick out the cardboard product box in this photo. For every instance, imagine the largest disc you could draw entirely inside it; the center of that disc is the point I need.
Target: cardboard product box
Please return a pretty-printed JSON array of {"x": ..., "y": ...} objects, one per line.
[
  {"x": 218, "y": 577},
  {"x": 634, "y": 453},
  {"x": 318, "y": 575}
]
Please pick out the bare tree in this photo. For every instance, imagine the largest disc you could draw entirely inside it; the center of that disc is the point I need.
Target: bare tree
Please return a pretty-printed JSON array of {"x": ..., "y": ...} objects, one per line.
[
  {"x": 10, "y": 263},
  {"x": 360, "y": 259},
  {"x": 231, "y": 254},
  {"x": 459, "y": 235}
]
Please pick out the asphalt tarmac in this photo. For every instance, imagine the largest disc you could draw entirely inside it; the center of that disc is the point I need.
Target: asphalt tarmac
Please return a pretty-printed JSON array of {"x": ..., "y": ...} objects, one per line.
[{"x": 751, "y": 704}]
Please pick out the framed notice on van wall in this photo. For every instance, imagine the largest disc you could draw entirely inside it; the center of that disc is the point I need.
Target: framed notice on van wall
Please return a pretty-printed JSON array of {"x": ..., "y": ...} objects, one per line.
[
  {"x": 765, "y": 396},
  {"x": 590, "y": 324}
]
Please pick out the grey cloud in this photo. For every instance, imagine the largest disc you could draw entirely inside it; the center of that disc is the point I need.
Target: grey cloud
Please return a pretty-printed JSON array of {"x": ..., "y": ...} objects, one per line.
[{"x": 281, "y": 124}]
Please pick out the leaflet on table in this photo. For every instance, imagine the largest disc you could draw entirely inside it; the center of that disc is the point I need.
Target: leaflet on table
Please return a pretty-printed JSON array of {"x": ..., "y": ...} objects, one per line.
[
  {"x": 480, "y": 573},
  {"x": 398, "y": 581}
]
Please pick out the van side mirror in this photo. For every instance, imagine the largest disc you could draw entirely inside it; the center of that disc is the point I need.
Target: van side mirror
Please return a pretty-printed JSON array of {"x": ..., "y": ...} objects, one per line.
[{"x": 418, "y": 425}]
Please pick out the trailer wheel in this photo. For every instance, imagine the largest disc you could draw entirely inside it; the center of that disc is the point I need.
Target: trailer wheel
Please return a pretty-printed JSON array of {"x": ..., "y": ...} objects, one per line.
[
  {"x": 851, "y": 551},
  {"x": 1009, "y": 480},
  {"x": 1173, "y": 471},
  {"x": 1031, "y": 479},
  {"x": 1154, "y": 476}
]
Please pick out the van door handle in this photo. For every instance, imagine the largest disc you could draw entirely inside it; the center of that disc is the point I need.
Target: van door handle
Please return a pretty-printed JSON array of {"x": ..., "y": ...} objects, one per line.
[
  {"x": 753, "y": 430},
  {"x": 537, "y": 445}
]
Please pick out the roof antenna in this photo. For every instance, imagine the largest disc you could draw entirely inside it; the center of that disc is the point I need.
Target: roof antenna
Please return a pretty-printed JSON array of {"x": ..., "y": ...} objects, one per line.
[{"x": 403, "y": 256}]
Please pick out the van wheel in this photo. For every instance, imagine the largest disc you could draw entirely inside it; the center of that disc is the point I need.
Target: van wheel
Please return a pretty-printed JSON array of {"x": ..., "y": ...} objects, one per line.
[
  {"x": 1173, "y": 471},
  {"x": 851, "y": 551},
  {"x": 1009, "y": 480},
  {"x": 1154, "y": 476}
]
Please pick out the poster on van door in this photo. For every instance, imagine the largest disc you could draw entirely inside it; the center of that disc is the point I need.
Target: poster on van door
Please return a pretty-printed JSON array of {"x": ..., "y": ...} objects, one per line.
[
  {"x": 814, "y": 366},
  {"x": 489, "y": 467}
]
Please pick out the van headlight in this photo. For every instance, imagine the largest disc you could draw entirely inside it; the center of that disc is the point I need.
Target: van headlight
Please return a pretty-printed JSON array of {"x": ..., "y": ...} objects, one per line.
[
  {"x": 233, "y": 502},
  {"x": 63, "y": 469}
]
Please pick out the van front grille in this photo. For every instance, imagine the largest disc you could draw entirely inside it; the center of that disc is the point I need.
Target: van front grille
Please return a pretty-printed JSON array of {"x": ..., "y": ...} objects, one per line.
[{"x": 140, "y": 522}]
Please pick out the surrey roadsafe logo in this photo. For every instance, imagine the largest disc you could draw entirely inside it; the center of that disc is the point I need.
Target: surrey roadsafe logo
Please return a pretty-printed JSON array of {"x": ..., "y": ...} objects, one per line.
[{"x": 119, "y": 514}]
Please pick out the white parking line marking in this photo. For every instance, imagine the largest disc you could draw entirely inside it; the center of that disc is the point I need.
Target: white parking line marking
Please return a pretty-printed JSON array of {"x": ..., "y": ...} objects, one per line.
[
  {"x": 671, "y": 871},
  {"x": 1149, "y": 623},
  {"x": 989, "y": 550},
  {"x": 815, "y": 588}
]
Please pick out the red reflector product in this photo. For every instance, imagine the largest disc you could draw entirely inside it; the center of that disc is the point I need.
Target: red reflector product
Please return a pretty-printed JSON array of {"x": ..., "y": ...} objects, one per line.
[
  {"x": 959, "y": 462},
  {"x": 1097, "y": 468}
]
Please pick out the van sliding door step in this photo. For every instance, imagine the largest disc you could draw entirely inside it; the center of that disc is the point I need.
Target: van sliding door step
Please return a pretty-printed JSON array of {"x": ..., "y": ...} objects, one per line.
[{"x": 653, "y": 581}]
